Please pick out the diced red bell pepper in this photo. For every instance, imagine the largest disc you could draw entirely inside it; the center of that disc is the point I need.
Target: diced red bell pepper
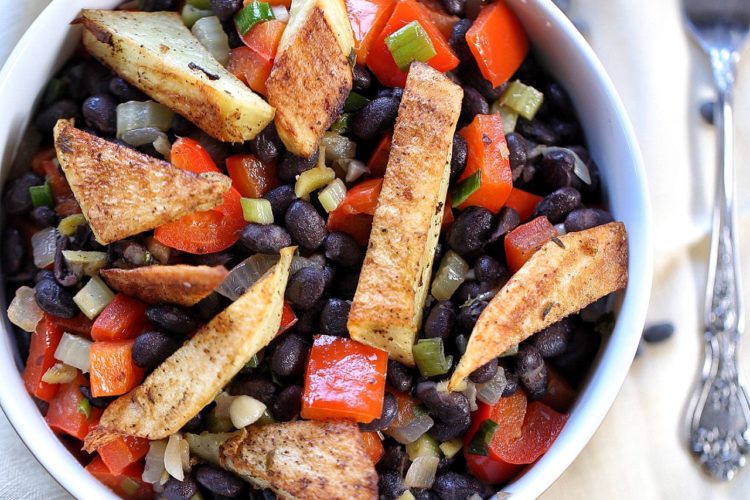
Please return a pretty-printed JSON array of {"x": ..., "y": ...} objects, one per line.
[
  {"x": 367, "y": 17},
  {"x": 122, "y": 319},
  {"x": 373, "y": 446},
  {"x": 498, "y": 42},
  {"x": 447, "y": 214},
  {"x": 344, "y": 379},
  {"x": 541, "y": 426},
  {"x": 264, "y": 38},
  {"x": 560, "y": 396},
  {"x": 44, "y": 341},
  {"x": 381, "y": 62},
  {"x": 487, "y": 153},
  {"x": 250, "y": 176},
  {"x": 525, "y": 240},
  {"x": 523, "y": 202},
  {"x": 113, "y": 371},
  {"x": 123, "y": 451},
  {"x": 406, "y": 408},
  {"x": 65, "y": 414},
  {"x": 80, "y": 325},
  {"x": 43, "y": 164},
  {"x": 357, "y": 226},
  {"x": 250, "y": 67},
  {"x": 379, "y": 158},
  {"x": 362, "y": 198},
  {"x": 128, "y": 484},
  {"x": 288, "y": 318}
]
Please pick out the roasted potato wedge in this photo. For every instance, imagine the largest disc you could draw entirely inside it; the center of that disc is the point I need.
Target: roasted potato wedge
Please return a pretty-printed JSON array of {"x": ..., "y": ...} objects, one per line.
[
  {"x": 387, "y": 308},
  {"x": 560, "y": 279},
  {"x": 179, "y": 284},
  {"x": 311, "y": 74},
  {"x": 303, "y": 459},
  {"x": 156, "y": 52},
  {"x": 190, "y": 379},
  {"x": 123, "y": 192}
]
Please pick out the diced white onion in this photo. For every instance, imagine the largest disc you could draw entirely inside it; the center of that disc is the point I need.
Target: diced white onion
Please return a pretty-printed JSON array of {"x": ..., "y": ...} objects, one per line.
[
  {"x": 74, "y": 351},
  {"x": 355, "y": 169},
  {"x": 59, "y": 373},
  {"x": 245, "y": 411},
  {"x": 140, "y": 136},
  {"x": 134, "y": 115},
  {"x": 450, "y": 275},
  {"x": 280, "y": 13},
  {"x": 475, "y": 496},
  {"x": 410, "y": 432},
  {"x": 83, "y": 262},
  {"x": 23, "y": 311},
  {"x": 212, "y": 36},
  {"x": 93, "y": 297},
  {"x": 470, "y": 391},
  {"x": 163, "y": 146},
  {"x": 44, "y": 244},
  {"x": 491, "y": 391},
  {"x": 185, "y": 455},
  {"x": 243, "y": 275},
  {"x": 421, "y": 473},
  {"x": 173, "y": 457},
  {"x": 223, "y": 402},
  {"x": 154, "y": 462},
  {"x": 338, "y": 147},
  {"x": 560, "y": 228}
]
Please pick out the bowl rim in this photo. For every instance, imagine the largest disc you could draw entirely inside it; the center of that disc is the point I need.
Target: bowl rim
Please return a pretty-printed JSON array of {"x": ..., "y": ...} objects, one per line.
[{"x": 604, "y": 382}]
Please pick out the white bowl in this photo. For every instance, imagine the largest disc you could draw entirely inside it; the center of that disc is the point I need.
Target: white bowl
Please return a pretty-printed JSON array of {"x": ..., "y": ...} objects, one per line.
[{"x": 51, "y": 40}]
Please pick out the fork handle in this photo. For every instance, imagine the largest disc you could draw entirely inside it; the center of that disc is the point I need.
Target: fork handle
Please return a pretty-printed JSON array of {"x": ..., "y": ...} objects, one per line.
[{"x": 720, "y": 413}]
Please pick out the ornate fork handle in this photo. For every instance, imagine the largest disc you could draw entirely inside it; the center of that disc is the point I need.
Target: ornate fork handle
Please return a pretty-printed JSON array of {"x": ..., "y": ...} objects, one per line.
[{"x": 719, "y": 416}]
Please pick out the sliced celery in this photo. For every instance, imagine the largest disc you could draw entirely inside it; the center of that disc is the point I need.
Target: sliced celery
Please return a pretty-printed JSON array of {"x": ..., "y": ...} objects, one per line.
[
  {"x": 332, "y": 195},
  {"x": 257, "y": 210},
  {"x": 450, "y": 448},
  {"x": 523, "y": 99},
  {"x": 424, "y": 446},
  {"x": 355, "y": 102},
  {"x": 41, "y": 195},
  {"x": 252, "y": 14},
  {"x": 68, "y": 225},
  {"x": 482, "y": 438},
  {"x": 191, "y": 14},
  {"x": 507, "y": 115},
  {"x": 430, "y": 357},
  {"x": 410, "y": 43},
  {"x": 93, "y": 297},
  {"x": 85, "y": 262},
  {"x": 461, "y": 192},
  {"x": 312, "y": 180}
]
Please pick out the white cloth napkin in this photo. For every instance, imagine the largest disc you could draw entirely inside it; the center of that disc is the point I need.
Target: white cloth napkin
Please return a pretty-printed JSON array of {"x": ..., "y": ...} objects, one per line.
[{"x": 662, "y": 77}]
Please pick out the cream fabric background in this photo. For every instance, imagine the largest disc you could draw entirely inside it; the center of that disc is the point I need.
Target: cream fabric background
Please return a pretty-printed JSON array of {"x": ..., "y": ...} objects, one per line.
[{"x": 639, "y": 450}]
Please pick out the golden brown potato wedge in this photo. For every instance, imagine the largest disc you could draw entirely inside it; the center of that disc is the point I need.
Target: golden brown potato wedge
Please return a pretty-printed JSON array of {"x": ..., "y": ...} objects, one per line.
[
  {"x": 303, "y": 459},
  {"x": 156, "y": 52},
  {"x": 311, "y": 74},
  {"x": 123, "y": 192},
  {"x": 387, "y": 308},
  {"x": 190, "y": 379},
  {"x": 560, "y": 279},
  {"x": 179, "y": 284}
]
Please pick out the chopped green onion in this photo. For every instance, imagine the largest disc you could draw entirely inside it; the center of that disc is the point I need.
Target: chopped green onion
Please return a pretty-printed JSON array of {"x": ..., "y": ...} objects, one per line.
[
  {"x": 252, "y": 14},
  {"x": 451, "y": 273},
  {"x": 424, "y": 446},
  {"x": 482, "y": 438},
  {"x": 191, "y": 14},
  {"x": 332, "y": 195},
  {"x": 461, "y": 192},
  {"x": 84, "y": 408},
  {"x": 257, "y": 210},
  {"x": 410, "y": 43},
  {"x": 200, "y": 4},
  {"x": 55, "y": 90},
  {"x": 85, "y": 262},
  {"x": 312, "y": 180},
  {"x": 68, "y": 225},
  {"x": 41, "y": 195},
  {"x": 450, "y": 448},
  {"x": 212, "y": 36},
  {"x": 507, "y": 115},
  {"x": 253, "y": 363},
  {"x": 341, "y": 125},
  {"x": 355, "y": 102},
  {"x": 430, "y": 357},
  {"x": 523, "y": 99},
  {"x": 93, "y": 297}
]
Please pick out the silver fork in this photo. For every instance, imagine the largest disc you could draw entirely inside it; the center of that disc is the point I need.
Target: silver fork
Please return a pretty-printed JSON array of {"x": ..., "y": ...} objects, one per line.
[{"x": 719, "y": 412}]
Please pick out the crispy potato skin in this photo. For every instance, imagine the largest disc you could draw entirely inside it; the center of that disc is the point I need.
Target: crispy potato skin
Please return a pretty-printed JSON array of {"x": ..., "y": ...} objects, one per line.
[
  {"x": 554, "y": 283},
  {"x": 303, "y": 459},
  {"x": 308, "y": 84},
  {"x": 387, "y": 308},
  {"x": 156, "y": 52},
  {"x": 179, "y": 284},
  {"x": 122, "y": 191},
  {"x": 190, "y": 379}
]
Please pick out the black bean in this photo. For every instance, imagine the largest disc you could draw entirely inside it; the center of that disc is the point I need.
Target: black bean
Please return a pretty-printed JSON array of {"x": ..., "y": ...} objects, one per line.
[
  {"x": 399, "y": 376},
  {"x": 484, "y": 373},
  {"x": 458, "y": 156},
  {"x": 345, "y": 283},
  {"x": 471, "y": 75},
  {"x": 46, "y": 119},
  {"x": 557, "y": 99},
  {"x": 44, "y": 274},
  {"x": 54, "y": 299},
  {"x": 518, "y": 149},
  {"x": 194, "y": 425},
  {"x": 225, "y": 9},
  {"x": 126, "y": 92},
  {"x": 267, "y": 145},
  {"x": 259, "y": 387},
  {"x": 361, "y": 78},
  {"x": 473, "y": 104},
  {"x": 658, "y": 332},
  {"x": 173, "y": 319},
  {"x": 150, "y": 349},
  {"x": 181, "y": 125},
  {"x": 556, "y": 205},
  {"x": 156, "y": 5},
  {"x": 63, "y": 275},
  {"x": 449, "y": 407},
  {"x": 444, "y": 431},
  {"x": 290, "y": 356},
  {"x": 553, "y": 340},
  {"x": 454, "y": 7},
  {"x": 458, "y": 43},
  {"x": 445, "y": 464},
  {"x": 280, "y": 198},
  {"x": 531, "y": 370},
  {"x": 467, "y": 291},
  {"x": 99, "y": 113},
  {"x": 566, "y": 130},
  {"x": 305, "y": 287},
  {"x": 309, "y": 321},
  {"x": 473, "y": 8},
  {"x": 397, "y": 92},
  {"x": 390, "y": 484},
  {"x": 17, "y": 199},
  {"x": 439, "y": 322},
  {"x": 375, "y": 118},
  {"x": 286, "y": 406},
  {"x": 388, "y": 415},
  {"x": 209, "y": 306},
  {"x": 218, "y": 481},
  {"x": 330, "y": 275},
  {"x": 291, "y": 166},
  {"x": 305, "y": 224},
  {"x": 334, "y": 316},
  {"x": 556, "y": 170},
  {"x": 505, "y": 221},
  {"x": 470, "y": 231},
  {"x": 265, "y": 238},
  {"x": 574, "y": 363},
  {"x": 467, "y": 316},
  {"x": 224, "y": 258},
  {"x": 586, "y": 218},
  {"x": 425, "y": 494},
  {"x": 455, "y": 486},
  {"x": 180, "y": 490},
  {"x": 44, "y": 216},
  {"x": 394, "y": 458},
  {"x": 343, "y": 249},
  {"x": 100, "y": 402},
  {"x": 488, "y": 269},
  {"x": 235, "y": 40},
  {"x": 536, "y": 131},
  {"x": 511, "y": 383},
  {"x": 13, "y": 251},
  {"x": 707, "y": 112}
]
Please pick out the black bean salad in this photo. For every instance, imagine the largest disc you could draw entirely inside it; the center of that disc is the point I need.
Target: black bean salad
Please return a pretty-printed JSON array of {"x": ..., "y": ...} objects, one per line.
[{"x": 307, "y": 249}]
